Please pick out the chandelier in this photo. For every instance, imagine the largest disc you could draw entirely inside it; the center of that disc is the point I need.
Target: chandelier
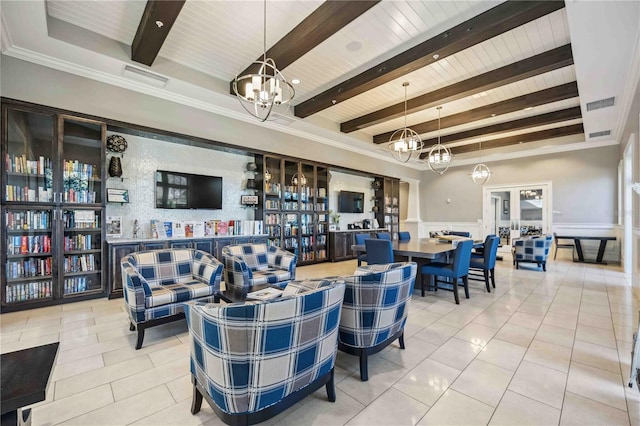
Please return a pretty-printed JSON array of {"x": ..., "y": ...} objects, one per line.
[
  {"x": 480, "y": 173},
  {"x": 404, "y": 143},
  {"x": 264, "y": 87},
  {"x": 302, "y": 180},
  {"x": 267, "y": 175},
  {"x": 439, "y": 155}
]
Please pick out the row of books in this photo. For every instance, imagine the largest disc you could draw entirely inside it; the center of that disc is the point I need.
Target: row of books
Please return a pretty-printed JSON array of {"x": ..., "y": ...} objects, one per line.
[
  {"x": 75, "y": 285},
  {"x": 81, "y": 219},
  {"x": 28, "y": 291},
  {"x": 272, "y": 219},
  {"x": 28, "y": 219},
  {"x": 20, "y": 164},
  {"x": 80, "y": 263},
  {"x": 80, "y": 196},
  {"x": 28, "y": 244},
  {"x": 181, "y": 229},
  {"x": 78, "y": 242},
  {"x": 29, "y": 268},
  {"x": 27, "y": 194},
  {"x": 83, "y": 171}
]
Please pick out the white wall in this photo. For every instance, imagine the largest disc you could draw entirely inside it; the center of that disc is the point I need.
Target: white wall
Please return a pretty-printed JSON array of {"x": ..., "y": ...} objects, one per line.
[
  {"x": 144, "y": 156},
  {"x": 346, "y": 182}
]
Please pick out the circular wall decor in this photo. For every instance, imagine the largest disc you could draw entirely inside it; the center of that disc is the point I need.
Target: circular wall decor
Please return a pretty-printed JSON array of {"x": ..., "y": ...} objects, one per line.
[{"x": 116, "y": 143}]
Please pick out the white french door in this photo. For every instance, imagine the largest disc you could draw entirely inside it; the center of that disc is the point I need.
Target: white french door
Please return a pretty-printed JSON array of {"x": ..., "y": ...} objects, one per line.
[{"x": 512, "y": 211}]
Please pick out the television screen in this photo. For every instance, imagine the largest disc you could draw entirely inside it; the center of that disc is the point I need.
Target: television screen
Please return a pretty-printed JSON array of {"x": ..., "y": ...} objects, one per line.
[
  {"x": 176, "y": 190},
  {"x": 350, "y": 202}
]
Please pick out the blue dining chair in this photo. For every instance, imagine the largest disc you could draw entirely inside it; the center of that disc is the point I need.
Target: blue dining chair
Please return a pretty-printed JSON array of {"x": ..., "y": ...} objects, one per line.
[
  {"x": 384, "y": 236},
  {"x": 487, "y": 263},
  {"x": 459, "y": 268},
  {"x": 360, "y": 238},
  {"x": 404, "y": 236},
  {"x": 379, "y": 251},
  {"x": 479, "y": 251}
]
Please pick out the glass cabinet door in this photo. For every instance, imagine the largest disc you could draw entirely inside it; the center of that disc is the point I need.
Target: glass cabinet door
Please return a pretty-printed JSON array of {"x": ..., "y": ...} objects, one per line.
[
  {"x": 82, "y": 251},
  {"x": 290, "y": 232},
  {"x": 273, "y": 229},
  {"x": 29, "y": 157},
  {"x": 291, "y": 184},
  {"x": 29, "y": 256},
  {"x": 272, "y": 184},
  {"x": 306, "y": 184},
  {"x": 82, "y": 159}
]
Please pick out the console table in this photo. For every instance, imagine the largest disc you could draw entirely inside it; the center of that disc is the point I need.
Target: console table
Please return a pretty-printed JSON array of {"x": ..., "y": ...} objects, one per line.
[
  {"x": 24, "y": 381},
  {"x": 601, "y": 248}
]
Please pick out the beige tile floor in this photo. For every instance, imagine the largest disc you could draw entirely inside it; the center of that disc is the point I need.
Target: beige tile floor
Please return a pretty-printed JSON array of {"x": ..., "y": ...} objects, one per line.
[{"x": 543, "y": 348}]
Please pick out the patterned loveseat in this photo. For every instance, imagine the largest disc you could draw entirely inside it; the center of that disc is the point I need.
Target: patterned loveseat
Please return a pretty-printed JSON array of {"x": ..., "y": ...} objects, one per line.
[
  {"x": 247, "y": 265},
  {"x": 252, "y": 360},
  {"x": 157, "y": 283},
  {"x": 375, "y": 309},
  {"x": 532, "y": 250}
]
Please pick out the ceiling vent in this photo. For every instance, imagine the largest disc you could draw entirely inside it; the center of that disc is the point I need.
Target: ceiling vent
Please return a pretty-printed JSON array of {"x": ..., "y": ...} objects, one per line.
[
  {"x": 602, "y": 103},
  {"x": 598, "y": 134},
  {"x": 144, "y": 76}
]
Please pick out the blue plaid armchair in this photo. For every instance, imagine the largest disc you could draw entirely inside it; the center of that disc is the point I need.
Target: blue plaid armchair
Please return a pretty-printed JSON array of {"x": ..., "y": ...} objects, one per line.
[
  {"x": 375, "y": 309},
  {"x": 532, "y": 250},
  {"x": 157, "y": 283},
  {"x": 252, "y": 360},
  {"x": 247, "y": 265}
]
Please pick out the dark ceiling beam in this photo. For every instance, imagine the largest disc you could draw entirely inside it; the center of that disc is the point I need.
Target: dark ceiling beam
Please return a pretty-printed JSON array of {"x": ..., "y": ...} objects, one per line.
[
  {"x": 504, "y": 17},
  {"x": 508, "y": 126},
  {"x": 322, "y": 23},
  {"x": 539, "y": 64},
  {"x": 150, "y": 35},
  {"x": 553, "y": 94},
  {"x": 557, "y": 132}
]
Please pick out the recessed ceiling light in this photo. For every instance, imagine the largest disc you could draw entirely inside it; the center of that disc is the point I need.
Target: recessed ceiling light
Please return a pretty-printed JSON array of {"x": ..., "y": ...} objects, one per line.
[
  {"x": 159, "y": 24},
  {"x": 295, "y": 81},
  {"x": 436, "y": 56},
  {"x": 528, "y": 108},
  {"x": 493, "y": 115}
]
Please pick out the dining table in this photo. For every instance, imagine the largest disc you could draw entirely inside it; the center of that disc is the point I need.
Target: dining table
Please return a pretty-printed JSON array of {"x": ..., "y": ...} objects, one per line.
[{"x": 601, "y": 247}]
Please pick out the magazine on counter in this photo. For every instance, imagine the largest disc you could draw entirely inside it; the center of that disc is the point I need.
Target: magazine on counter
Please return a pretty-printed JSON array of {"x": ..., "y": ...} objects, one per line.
[{"x": 265, "y": 294}]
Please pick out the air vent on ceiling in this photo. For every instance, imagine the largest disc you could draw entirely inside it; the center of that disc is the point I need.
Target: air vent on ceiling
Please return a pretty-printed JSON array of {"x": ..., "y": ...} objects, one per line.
[
  {"x": 602, "y": 103},
  {"x": 144, "y": 76},
  {"x": 598, "y": 134}
]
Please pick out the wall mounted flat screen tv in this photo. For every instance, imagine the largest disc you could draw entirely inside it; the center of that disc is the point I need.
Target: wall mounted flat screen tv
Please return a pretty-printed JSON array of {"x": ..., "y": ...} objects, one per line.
[
  {"x": 350, "y": 202},
  {"x": 177, "y": 190}
]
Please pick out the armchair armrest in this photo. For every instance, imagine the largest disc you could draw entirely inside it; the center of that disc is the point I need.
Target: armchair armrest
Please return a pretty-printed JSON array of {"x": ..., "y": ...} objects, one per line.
[
  {"x": 135, "y": 289},
  {"x": 207, "y": 269},
  {"x": 236, "y": 272},
  {"x": 282, "y": 259}
]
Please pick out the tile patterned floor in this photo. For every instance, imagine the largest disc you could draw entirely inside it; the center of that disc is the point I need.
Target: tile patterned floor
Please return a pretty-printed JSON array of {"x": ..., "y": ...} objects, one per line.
[{"x": 543, "y": 348}]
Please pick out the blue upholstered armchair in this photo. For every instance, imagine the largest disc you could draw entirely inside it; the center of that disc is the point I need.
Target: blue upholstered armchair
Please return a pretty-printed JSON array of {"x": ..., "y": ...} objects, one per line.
[
  {"x": 247, "y": 265},
  {"x": 532, "y": 250},
  {"x": 157, "y": 283},
  {"x": 252, "y": 360},
  {"x": 375, "y": 309}
]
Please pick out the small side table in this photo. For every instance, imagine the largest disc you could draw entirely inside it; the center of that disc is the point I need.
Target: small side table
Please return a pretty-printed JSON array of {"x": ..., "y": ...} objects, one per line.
[{"x": 24, "y": 381}]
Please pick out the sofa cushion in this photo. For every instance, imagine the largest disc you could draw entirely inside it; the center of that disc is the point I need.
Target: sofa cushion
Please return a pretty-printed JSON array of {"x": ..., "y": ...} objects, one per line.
[
  {"x": 271, "y": 276},
  {"x": 300, "y": 287},
  {"x": 165, "y": 266},
  {"x": 180, "y": 292}
]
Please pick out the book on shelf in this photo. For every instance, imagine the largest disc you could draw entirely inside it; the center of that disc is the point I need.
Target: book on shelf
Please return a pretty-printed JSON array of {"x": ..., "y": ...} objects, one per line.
[
  {"x": 265, "y": 294},
  {"x": 222, "y": 228},
  {"x": 168, "y": 229},
  {"x": 188, "y": 229},
  {"x": 158, "y": 229},
  {"x": 177, "y": 229},
  {"x": 198, "y": 229}
]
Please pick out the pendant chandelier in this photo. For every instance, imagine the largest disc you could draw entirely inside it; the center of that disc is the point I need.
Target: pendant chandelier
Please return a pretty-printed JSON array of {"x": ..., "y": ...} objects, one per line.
[
  {"x": 439, "y": 155},
  {"x": 404, "y": 143},
  {"x": 264, "y": 88},
  {"x": 302, "y": 180},
  {"x": 480, "y": 173}
]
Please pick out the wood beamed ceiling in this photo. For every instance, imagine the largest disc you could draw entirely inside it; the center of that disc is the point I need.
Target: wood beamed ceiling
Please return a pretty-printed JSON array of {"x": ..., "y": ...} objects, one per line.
[{"x": 556, "y": 97}]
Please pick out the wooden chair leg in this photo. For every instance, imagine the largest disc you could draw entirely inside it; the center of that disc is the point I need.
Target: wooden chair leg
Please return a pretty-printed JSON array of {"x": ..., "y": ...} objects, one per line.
[
  {"x": 433, "y": 282},
  {"x": 401, "y": 340},
  {"x": 556, "y": 253},
  {"x": 140, "y": 337},
  {"x": 544, "y": 266},
  {"x": 331, "y": 389},
  {"x": 132, "y": 327},
  {"x": 364, "y": 370},
  {"x": 422, "y": 285},
  {"x": 493, "y": 277},
  {"x": 455, "y": 291},
  {"x": 486, "y": 279},
  {"x": 196, "y": 402},
  {"x": 465, "y": 280}
]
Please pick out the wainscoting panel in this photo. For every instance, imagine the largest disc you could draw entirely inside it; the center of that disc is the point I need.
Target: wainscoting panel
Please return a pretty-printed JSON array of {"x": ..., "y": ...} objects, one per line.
[{"x": 590, "y": 248}]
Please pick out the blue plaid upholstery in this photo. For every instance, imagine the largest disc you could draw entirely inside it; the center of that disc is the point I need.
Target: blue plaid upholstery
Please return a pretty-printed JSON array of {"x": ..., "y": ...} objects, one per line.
[
  {"x": 247, "y": 265},
  {"x": 157, "y": 282},
  {"x": 250, "y": 356},
  {"x": 534, "y": 250},
  {"x": 375, "y": 303}
]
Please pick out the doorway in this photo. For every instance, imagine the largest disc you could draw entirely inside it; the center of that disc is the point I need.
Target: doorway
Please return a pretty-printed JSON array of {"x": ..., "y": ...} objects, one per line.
[
  {"x": 627, "y": 195},
  {"x": 514, "y": 211}
]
